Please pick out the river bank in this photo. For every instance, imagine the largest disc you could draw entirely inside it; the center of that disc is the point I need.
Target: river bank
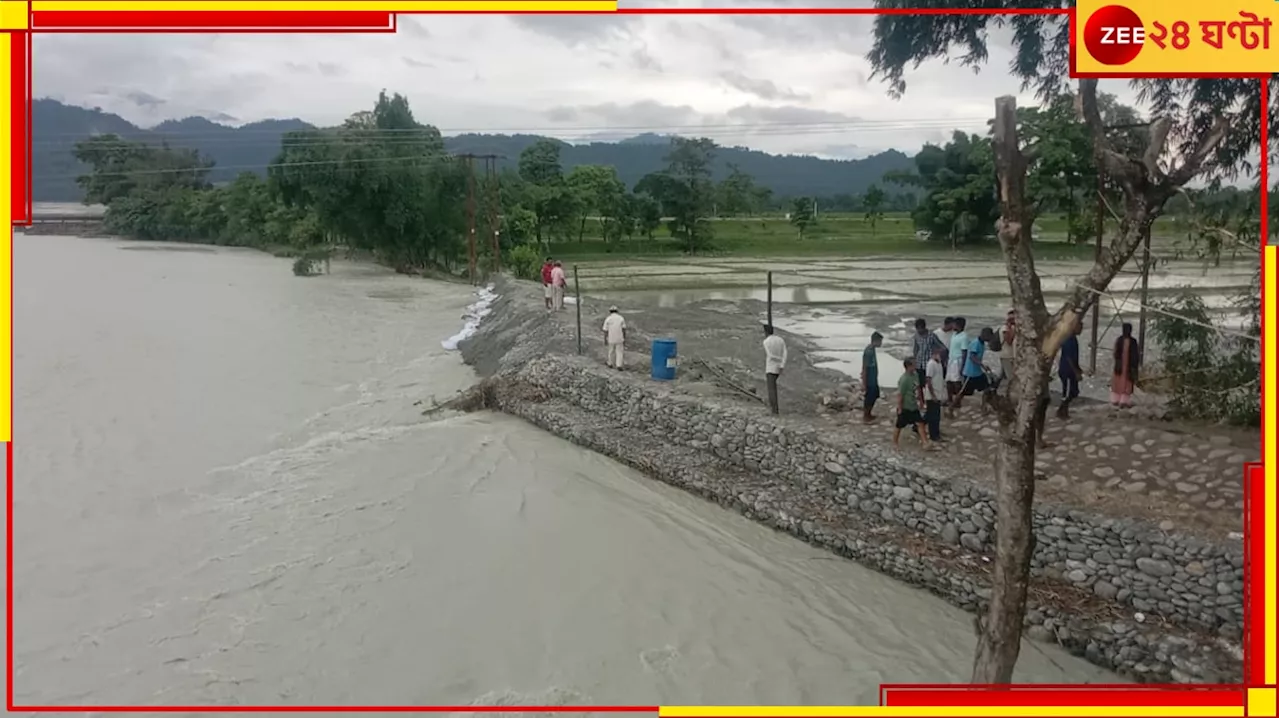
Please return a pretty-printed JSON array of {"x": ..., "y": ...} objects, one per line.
[{"x": 1113, "y": 580}]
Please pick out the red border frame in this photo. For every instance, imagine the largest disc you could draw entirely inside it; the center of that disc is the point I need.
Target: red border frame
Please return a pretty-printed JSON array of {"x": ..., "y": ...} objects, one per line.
[{"x": 923, "y": 695}]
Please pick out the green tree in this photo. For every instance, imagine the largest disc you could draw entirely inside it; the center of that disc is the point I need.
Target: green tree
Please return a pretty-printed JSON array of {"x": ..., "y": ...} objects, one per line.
[
  {"x": 598, "y": 192},
  {"x": 802, "y": 214},
  {"x": 1210, "y": 127},
  {"x": 873, "y": 202},
  {"x": 690, "y": 192},
  {"x": 957, "y": 189},
  {"x": 735, "y": 194}
]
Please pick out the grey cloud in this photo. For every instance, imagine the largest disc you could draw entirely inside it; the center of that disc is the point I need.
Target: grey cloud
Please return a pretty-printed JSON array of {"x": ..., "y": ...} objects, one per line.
[
  {"x": 324, "y": 69},
  {"x": 764, "y": 89},
  {"x": 642, "y": 60},
  {"x": 413, "y": 62},
  {"x": 786, "y": 114},
  {"x": 575, "y": 30},
  {"x": 142, "y": 99},
  {"x": 645, "y": 113},
  {"x": 412, "y": 26}
]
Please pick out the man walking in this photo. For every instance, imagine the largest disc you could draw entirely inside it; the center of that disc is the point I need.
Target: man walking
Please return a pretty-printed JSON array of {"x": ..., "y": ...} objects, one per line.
[
  {"x": 557, "y": 287},
  {"x": 909, "y": 404},
  {"x": 975, "y": 374},
  {"x": 935, "y": 393},
  {"x": 615, "y": 338},
  {"x": 1069, "y": 369},
  {"x": 870, "y": 377},
  {"x": 775, "y": 359},
  {"x": 944, "y": 334},
  {"x": 547, "y": 266}
]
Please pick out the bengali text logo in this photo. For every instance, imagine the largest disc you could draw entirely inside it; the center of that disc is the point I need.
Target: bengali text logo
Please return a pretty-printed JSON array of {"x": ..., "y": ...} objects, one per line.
[{"x": 1115, "y": 35}]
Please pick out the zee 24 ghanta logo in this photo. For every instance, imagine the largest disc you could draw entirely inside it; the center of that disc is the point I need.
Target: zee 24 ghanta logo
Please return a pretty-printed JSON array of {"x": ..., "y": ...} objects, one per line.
[{"x": 1114, "y": 35}]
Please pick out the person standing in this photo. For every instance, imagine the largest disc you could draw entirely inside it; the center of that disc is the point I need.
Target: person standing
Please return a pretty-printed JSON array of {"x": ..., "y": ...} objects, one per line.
[
  {"x": 547, "y": 266},
  {"x": 1008, "y": 335},
  {"x": 922, "y": 344},
  {"x": 775, "y": 360},
  {"x": 870, "y": 377},
  {"x": 615, "y": 338},
  {"x": 557, "y": 287},
  {"x": 1124, "y": 374},
  {"x": 935, "y": 393},
  {"x": 957, "y": 355},
  {"x": 944, "y": 334},
  {"x": 909, "y": 404},
  {"x": 1069, "y": 372}
]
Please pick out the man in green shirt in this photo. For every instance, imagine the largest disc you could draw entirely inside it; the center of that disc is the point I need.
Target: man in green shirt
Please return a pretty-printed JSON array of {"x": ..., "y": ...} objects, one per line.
[{"x": 910, "y": 399}]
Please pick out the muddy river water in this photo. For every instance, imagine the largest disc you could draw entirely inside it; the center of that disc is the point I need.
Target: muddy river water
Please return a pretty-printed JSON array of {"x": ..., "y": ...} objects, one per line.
[{"x": 224, "y": 493}]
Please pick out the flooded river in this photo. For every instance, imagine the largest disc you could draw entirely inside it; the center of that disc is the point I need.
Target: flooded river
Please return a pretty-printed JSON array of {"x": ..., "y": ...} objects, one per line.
[{"x": 224, "y": 493}]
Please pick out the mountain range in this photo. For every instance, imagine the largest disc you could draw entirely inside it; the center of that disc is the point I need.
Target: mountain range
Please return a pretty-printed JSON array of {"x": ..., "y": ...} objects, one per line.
[{"x": 57, "y": 127}]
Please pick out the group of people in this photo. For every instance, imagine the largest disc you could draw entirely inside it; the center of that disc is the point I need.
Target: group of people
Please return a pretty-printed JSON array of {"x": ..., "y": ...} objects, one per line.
[
  {"x": 948, "y": 364},
  {"x": 944, "y": 366},
  {"x": 553, "y": 284}
]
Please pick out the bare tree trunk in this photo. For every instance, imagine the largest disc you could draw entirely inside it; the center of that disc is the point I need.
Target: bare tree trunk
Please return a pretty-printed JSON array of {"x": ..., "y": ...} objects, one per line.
[
  {"x": 1146, "y": 187},
  {"x": 1000, "y": 636}
]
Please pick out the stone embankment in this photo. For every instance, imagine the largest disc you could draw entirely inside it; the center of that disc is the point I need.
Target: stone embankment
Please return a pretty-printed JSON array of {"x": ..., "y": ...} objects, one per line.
[{"x": 1149, "y": 603}]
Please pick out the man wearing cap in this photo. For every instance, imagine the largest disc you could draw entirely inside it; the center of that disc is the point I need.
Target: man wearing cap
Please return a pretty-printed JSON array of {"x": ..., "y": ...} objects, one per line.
[
  {"x": 775, "y": 360},
  {"x": 615, "y": 338}
]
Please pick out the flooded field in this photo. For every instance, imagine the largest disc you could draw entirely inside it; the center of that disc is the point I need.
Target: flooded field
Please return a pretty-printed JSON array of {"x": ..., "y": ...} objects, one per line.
[{"x": 839, "y": 302}]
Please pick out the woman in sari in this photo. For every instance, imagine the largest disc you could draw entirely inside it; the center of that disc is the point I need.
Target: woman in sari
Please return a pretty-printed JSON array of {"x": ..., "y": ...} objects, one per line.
[{"x": 1125, "y": 373}]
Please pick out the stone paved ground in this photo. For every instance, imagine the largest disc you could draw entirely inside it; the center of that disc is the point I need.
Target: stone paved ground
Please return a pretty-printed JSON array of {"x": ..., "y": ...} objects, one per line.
[{"x": 1106, "y": 460}]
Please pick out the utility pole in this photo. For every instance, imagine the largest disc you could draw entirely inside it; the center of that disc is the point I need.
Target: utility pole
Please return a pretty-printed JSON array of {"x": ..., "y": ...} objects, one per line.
[
  {"x": 471, "y": 217},
  {"x": 491, "y": 177},
  {"x": 1097, "y": 254},
  {"x": 491, "y": 181}
]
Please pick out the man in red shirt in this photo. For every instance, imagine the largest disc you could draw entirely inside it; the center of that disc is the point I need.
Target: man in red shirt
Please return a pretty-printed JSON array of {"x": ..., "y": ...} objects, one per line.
[{"x": 546, "y": 282}]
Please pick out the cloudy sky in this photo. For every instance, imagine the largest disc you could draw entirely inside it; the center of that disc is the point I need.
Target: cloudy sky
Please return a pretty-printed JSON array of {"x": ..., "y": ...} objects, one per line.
[{"x": 783, "y": 84}]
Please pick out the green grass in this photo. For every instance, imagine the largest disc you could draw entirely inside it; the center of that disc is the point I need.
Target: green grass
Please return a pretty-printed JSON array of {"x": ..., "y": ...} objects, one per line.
[{"x": 842, "y": 235}]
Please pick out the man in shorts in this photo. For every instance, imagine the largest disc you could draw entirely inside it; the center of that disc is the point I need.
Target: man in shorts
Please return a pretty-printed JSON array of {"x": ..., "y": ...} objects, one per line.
[
  {"x": 975, "y": 374},
  {"x": 910, "y": 399}
]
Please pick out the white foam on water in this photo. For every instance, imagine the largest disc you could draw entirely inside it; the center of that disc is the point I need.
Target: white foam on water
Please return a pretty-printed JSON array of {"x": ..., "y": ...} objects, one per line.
[{"x": 472, "y": 318}]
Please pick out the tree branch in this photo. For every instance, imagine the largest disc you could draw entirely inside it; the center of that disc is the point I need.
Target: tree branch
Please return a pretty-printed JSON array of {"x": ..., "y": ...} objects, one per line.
[
  {"x": 1159, "y": 136},
  {"x": 1194, "y": 162}
]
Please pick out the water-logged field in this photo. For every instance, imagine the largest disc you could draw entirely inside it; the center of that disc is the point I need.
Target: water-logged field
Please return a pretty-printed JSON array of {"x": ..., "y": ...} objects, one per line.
[{"x": 839, "y": 302}]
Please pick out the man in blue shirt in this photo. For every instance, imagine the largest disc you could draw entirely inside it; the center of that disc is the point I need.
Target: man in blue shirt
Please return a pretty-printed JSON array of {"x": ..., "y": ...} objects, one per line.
[
  {"x": 1069, "y": 370},
  {"x": 975, "y": 374}
]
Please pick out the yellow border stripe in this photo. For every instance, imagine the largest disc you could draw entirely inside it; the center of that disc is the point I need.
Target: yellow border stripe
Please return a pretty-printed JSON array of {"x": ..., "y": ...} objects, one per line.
[
  {"x": 330, "y": 5},
  {"x": 6, "y": 252},
  {"x": 946, "y": 712},
  {"x": 1269, "y": 335}
]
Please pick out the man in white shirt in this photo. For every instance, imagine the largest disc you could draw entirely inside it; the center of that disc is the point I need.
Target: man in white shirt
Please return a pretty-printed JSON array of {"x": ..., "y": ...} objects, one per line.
[
  {"x": 935, "y": 393},
  {"x": 775, "y": 359},
  {"x": 615, "y": 337},
  {"x": 557, "y": 287},
  {"x": 944, "y": 334}
]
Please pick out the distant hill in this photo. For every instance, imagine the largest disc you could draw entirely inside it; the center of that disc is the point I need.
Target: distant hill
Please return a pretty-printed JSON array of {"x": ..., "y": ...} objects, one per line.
[{"x": 57, "y": 127}]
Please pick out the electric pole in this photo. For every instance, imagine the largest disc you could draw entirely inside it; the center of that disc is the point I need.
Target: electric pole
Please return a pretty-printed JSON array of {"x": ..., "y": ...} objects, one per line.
[{"x": 471, "y": 217}]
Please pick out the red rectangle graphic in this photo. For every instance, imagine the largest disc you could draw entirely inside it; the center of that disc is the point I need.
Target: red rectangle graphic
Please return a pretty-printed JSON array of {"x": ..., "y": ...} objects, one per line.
[
  {"x": 1216, "y": 696},
  {"x": 20, "y": 127},
  {"x": 210, "y": 20}
]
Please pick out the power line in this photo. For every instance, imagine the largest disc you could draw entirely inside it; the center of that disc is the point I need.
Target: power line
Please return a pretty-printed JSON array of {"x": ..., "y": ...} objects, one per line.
[{"x": 894, "y": 123}]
